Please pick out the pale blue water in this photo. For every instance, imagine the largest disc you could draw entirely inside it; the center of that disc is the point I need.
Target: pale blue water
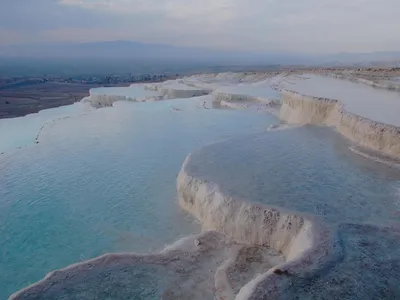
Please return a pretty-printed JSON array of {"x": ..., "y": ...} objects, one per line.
[
  {"x": 103, "y": 182},
  {"x": 22, "y": 131},
  {"x": 307, "y": 169},
  {"x": 357, "y": 98},
  {"x": 311, "y": 170}
]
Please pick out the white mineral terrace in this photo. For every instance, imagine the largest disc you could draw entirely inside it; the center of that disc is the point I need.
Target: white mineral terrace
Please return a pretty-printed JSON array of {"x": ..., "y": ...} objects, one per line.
[
  {"x": 253, "y": 250},
  {"x": 250, "y": 91},
  {"x": 367, "y": 115},
  {"x": 375, "y": 104}
]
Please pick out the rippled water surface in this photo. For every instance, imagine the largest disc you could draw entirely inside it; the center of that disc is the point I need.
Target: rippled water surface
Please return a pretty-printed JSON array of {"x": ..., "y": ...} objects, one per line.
[
  {"x": 103, "y": 182},
  {"x": 22, "y": 131},
  {"x": 307, "y": 169}
]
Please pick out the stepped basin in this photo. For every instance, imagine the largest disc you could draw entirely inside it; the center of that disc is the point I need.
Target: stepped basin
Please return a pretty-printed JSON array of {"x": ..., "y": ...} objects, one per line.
[
  {"x": 177, "y": 89},
  {"x": 282, "y": 189},
  {"x": 249, "y": 93},
  {"x": 304, "y": 244},
  {"x": 305, "y": 169},
  {"x": 106, "y": 96},
  {"x": 103, "y": 182},
  {"x": 288, "y": 212},
  {"x": 378, "y": 105},
  {"x": 365, "y": 115},
  {"x": 247, "y": 96}
]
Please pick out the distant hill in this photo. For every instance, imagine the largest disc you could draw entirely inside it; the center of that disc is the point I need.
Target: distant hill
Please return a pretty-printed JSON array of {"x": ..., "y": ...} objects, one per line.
[
  {"x": 142, "y": 51},
  {"x": 158, "y": 53},
  {"x": 382, "y": 58}
]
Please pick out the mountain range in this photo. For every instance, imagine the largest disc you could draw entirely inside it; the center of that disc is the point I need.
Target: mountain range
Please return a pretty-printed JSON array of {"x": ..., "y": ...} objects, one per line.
[{"x": 137, "y": 51}]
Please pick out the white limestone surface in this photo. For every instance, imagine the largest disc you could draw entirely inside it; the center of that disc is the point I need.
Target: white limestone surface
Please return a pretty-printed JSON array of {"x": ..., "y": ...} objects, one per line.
[
  {"x": 384, "y": 82},
  {"x": 230, "y": 86},
  {"x": 378, "y": 105},
  {"x": 180, "y": 90},
  {"x": 23, "y": 131},
  {"x": 203, "y": 266},
  {"x": 240, "y": 96},
  {"x": 211, "y": 264},
  {"x": 300, "y": 109},
  {"x": 106, "y": 96}
]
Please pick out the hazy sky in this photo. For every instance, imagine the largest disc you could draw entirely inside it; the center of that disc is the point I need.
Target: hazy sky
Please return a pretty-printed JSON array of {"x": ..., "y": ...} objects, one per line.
[{"x": 255, "y": 25}]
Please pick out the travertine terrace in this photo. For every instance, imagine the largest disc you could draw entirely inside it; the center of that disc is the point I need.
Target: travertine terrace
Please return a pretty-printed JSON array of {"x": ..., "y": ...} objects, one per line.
[{"x": 252, "y": 250}]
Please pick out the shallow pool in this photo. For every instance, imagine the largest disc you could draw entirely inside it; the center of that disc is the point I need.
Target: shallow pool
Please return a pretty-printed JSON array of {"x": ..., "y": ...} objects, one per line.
[
  {"x": 103, "y": 182},
  {"x": 376, "y": 104},
  {"x": 306, "y": 169}
]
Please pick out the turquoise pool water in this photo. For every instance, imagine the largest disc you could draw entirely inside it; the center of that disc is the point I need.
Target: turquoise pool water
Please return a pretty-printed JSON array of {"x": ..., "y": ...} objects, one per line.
[
  {"x": 22, "y": 131},
  {"x": 103, "y": 182}
]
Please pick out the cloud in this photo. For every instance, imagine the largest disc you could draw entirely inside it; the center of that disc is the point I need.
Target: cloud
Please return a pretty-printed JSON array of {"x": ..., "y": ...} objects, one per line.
[{"x": 256, "y": 25}]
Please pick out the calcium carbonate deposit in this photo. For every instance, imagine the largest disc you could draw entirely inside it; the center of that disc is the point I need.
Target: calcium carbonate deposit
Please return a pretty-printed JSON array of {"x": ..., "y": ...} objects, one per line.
[
  {"x": 285, "y": 214},
  {"x": 353, "y": 109}
]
